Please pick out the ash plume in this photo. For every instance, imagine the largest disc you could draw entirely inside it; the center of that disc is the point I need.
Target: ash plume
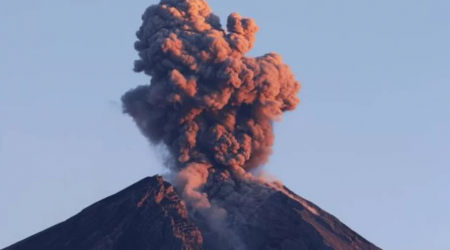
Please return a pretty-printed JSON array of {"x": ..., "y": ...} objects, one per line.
[
  {"x": 210, "y": 105},
  {"x": 207, "y": 102}
]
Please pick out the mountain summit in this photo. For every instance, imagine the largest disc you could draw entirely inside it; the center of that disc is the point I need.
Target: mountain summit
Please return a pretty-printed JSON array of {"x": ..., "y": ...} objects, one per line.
[{"x": 149, "y": 215}]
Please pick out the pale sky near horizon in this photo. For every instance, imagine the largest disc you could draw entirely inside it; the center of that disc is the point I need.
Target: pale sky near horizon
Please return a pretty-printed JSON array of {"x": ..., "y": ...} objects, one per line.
[{"x": 369, "y": 143}]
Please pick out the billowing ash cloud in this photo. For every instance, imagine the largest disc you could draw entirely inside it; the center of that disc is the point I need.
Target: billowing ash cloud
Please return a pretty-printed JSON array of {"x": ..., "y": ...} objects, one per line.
[
  {"x": 207, "y": 102},
  {"x": 211, "y": 106}
]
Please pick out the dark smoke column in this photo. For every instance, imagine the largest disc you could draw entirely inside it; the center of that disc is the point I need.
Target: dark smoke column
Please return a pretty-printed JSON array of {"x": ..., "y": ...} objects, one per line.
[{"x": 212, "y": 106}]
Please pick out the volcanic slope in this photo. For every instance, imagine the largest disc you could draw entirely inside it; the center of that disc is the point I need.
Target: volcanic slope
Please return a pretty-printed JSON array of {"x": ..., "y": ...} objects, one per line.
[{"x": 149, "y": 215}]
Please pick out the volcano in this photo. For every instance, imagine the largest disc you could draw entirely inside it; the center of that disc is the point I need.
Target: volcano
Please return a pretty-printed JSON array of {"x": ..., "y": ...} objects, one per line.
[
  {"x": 149, "y": 215},
  {"x": 212, "y": 108}
]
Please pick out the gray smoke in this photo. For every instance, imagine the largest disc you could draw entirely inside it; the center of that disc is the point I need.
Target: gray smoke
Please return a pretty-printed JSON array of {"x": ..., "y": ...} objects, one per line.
[{"x": 209, "y": 104}]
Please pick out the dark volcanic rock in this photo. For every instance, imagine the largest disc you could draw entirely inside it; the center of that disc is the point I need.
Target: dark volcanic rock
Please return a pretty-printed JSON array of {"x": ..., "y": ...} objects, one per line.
[
  {"x": 146, "y": 215},
  {"x": 150, "y": 216},
  {"x": 273, "y": 217}
]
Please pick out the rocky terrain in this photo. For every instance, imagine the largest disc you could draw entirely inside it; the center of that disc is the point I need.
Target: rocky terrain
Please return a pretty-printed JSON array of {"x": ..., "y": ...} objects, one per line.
[{"x": 149, "y": 215}]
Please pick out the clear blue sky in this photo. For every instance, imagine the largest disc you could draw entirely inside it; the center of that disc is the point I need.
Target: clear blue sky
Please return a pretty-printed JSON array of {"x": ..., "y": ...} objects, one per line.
[{"x": 370, "y": 142}]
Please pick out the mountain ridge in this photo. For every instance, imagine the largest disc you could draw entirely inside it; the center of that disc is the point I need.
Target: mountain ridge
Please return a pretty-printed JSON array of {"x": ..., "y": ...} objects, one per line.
[{"x": 149, "y": 214}]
